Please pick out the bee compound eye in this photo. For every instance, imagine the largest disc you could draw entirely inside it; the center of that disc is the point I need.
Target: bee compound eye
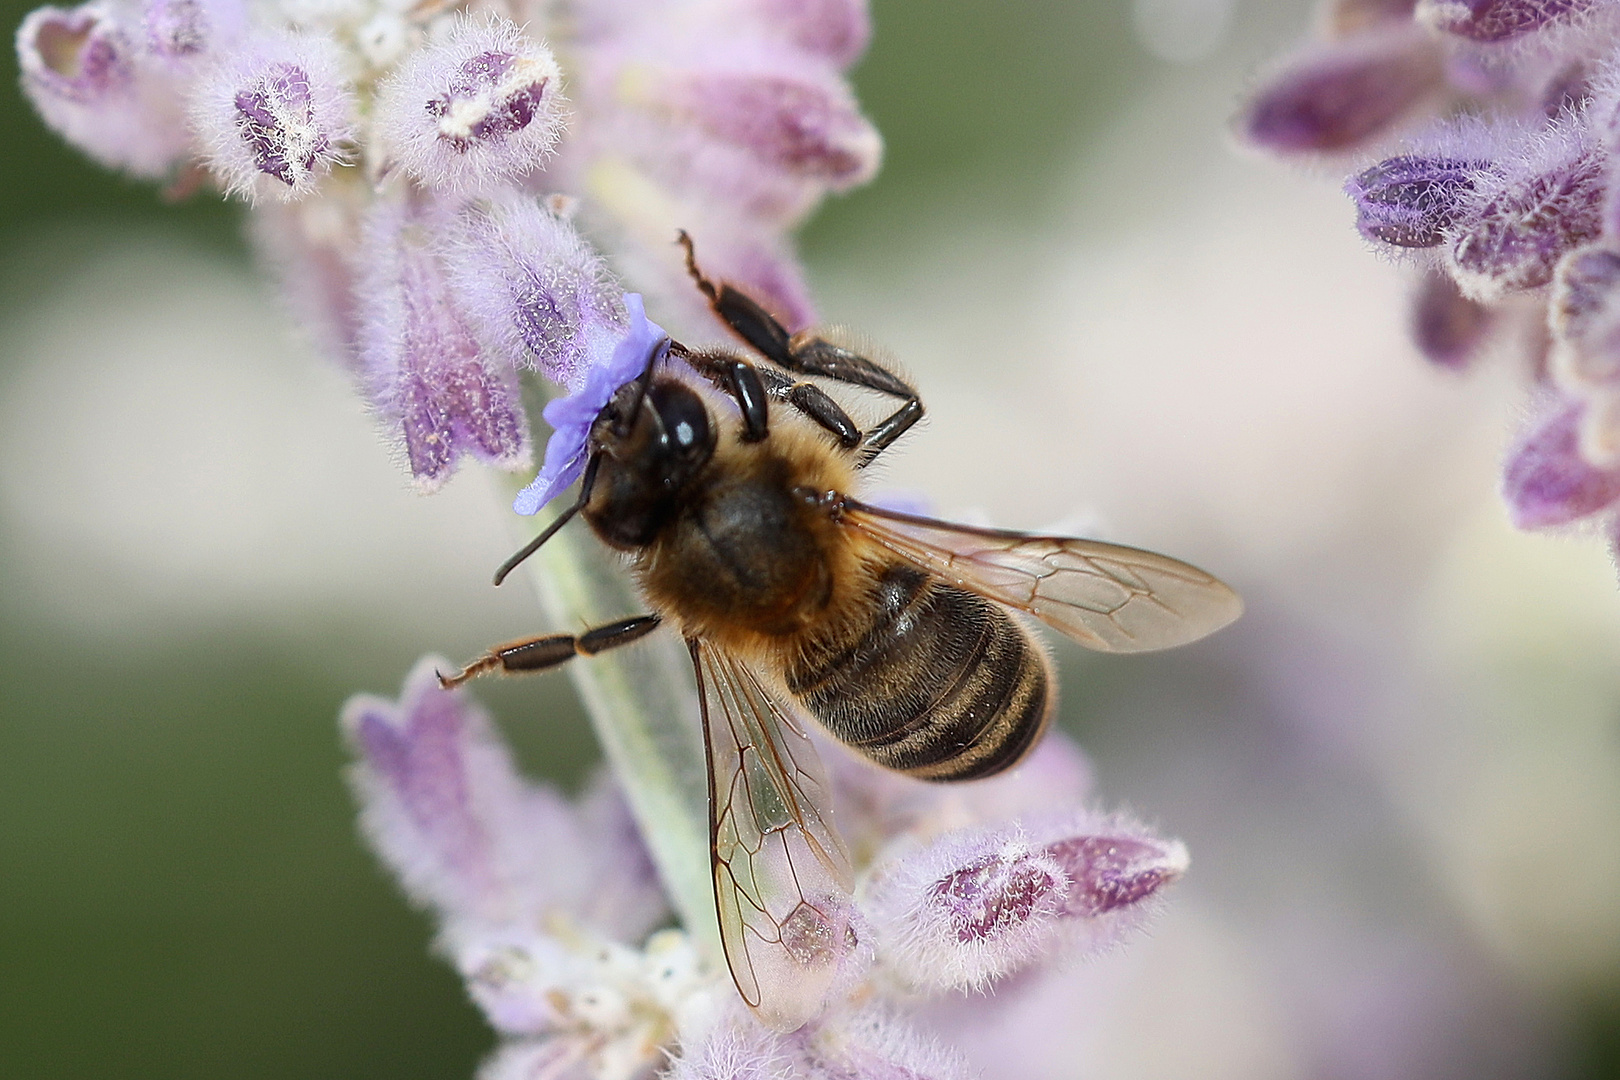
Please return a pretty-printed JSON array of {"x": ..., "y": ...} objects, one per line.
[{"x": 685, "y": 419}]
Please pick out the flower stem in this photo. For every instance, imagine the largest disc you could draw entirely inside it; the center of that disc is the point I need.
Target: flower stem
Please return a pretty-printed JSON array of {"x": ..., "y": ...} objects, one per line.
[{"x": 643, "y": 707}]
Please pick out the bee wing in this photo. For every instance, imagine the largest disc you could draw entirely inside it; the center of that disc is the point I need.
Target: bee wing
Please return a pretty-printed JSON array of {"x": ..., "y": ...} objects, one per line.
[
  {"x": 1106, "y": 597},
  {"x": 782, "y": 880}
]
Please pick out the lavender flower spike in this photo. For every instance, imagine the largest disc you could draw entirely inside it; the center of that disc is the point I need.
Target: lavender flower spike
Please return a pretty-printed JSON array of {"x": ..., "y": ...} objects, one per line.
[
  {"x": 978, "y": 904},
  {"x": 571, "y": 417},
  {"x": 478, "y": 109}
]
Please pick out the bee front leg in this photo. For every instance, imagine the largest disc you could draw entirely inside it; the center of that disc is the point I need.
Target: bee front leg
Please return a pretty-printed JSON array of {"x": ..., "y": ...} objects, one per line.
[{"x": 540, "y": 653}]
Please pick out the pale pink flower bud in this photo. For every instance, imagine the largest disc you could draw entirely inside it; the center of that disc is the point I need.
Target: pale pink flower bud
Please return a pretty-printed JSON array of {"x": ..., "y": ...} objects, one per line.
[
  {"x": 1548, "y": 482},
  {"x": 425, "y": 367},
  {"x": 538, "y": 293},
  {"x": 1341, "y": 95},
  {"x": 273, "y": 115},
  {"x": 82, "y": 70},
  {"x": 1493, "y": 21},
  {"x": 479, "y": 109},
  {"x": 1448, "y": 328}
]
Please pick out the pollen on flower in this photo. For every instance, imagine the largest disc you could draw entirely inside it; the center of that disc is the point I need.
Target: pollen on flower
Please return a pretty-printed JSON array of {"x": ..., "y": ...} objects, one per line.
[
  {"x": 480, "y": 108},
  {"x": 273, "y": 115}
]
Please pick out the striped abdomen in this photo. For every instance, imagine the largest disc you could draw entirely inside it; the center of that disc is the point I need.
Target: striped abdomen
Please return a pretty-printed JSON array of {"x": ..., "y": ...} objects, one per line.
[{"x": 941, "y": 684}]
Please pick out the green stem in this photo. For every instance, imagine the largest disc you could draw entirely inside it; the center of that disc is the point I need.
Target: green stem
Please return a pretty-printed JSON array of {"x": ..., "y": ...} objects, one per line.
[{"x": 643, "y": 709}]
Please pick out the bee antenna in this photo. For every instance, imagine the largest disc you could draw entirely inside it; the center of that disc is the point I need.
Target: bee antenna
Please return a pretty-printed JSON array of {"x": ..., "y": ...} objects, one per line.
[
  {"x": 682, "y": 238},
  {"x": 623, "y": 425},
  {"x": 562, "y": 519}
]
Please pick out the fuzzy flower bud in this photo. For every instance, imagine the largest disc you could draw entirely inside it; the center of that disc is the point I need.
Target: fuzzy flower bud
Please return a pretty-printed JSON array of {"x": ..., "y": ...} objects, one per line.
[
  {"x": 1410, "y": 201},
  {"x": 480, "y": 108},
  {"x": 1490, "y": 21},
  {"x": 1448, "y": 328},
  {"x": 1341, "y": 95},
  {"x": 82, "y": 70},
  {"x": 538, "y": 293},
  {"x": 1515, "y": 229},
  {"x": 977, "y": 904},
  {"x": 1548, "y": 482},
  {"x": 425, "y": 365},
  {"x": 272, "y": 115}
]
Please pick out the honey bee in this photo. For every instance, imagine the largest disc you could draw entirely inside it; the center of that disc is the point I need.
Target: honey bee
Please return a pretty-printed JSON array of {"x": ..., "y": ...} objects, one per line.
[{"x": 895, "y": 633}]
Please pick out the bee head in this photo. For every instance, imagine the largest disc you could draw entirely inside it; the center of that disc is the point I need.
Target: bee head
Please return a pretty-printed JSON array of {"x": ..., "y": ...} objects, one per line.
[{"x": 652, "y": 441}]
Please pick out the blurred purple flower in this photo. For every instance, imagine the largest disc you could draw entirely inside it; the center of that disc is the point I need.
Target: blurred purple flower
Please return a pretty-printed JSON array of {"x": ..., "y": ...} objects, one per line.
[{"x": 545, "y": 907}]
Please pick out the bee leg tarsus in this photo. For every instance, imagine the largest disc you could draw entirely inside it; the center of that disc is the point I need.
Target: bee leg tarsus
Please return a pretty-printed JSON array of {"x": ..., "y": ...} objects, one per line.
[{"x": 550, "y": 650}]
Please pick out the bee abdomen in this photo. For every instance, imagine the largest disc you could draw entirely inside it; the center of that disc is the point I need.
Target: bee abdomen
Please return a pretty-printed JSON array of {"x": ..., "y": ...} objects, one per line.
[{"x": 942, "y": 684}]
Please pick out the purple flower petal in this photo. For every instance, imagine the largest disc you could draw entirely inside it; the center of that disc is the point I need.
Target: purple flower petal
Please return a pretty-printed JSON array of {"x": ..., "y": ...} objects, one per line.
[
  {"x": 1447, "y": 327},
  {"x": 571, "y": 417},
  {"x": 427, "y": 370},
  {"x": 273, "y": 114},
  {"x": 540, "y": 296},
  {"x": 978, "y": 904},
  {"x": 1516, "y": 228}
]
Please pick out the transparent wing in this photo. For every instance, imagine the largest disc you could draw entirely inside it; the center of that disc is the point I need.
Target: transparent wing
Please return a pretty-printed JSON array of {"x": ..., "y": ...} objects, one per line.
[
  {"x": 1106, "y": 597},
  {"x": 782, "y": 880}
]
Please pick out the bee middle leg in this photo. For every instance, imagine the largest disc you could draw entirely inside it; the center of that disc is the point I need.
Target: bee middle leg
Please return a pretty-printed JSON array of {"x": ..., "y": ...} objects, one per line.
[
  {"x": 550, "y": 650},
  {"x": 806, "y": 354}
]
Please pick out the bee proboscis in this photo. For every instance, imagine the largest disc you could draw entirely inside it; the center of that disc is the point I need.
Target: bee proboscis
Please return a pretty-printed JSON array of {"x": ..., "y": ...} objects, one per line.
[{"x": 799, "y": 603}]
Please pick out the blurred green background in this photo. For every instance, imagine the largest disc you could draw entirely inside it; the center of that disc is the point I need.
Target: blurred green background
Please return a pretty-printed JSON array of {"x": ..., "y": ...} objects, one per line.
[{"x": 182, "y": 891}]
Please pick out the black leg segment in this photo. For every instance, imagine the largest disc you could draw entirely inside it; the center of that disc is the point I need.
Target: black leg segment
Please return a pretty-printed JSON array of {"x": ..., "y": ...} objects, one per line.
[{"x": 540, "y": 653}]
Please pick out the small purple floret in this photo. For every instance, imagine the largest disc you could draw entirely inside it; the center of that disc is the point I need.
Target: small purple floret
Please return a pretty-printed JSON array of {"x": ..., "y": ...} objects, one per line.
[
  {"x": 1489, "y": 21},
  {"x": 991, "y": 894},
  {"x": 1410, "y": 201},
  {"x": 505, "y": 113},
  {"x": 276, "y": 117},
  {"x": 1547, "y": 481},
  {"x": 571, "y": 417},
  {"x": 81, "y": 55}
]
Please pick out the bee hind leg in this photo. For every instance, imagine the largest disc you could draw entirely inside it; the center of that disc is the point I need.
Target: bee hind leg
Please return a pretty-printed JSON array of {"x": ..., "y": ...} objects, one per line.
[{"x": 539, "y": 653}]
